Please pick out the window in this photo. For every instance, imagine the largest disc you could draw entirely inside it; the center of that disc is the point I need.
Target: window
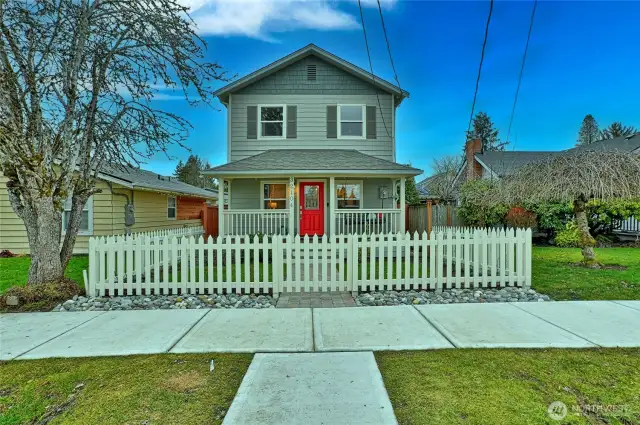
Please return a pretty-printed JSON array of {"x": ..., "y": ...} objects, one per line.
[
  {"x": 274, "y": 196},
  {"x": 272, "y": 121},
  {"x": 349, "y": 195},
  {"x": 351, "y": 121},
  {"x": 86, "y": 225},
  {"x": 172, "y": 207}
]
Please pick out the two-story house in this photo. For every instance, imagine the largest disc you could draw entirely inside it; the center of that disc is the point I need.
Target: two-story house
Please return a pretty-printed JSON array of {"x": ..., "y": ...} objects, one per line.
[{"x": 311, "y": 150}]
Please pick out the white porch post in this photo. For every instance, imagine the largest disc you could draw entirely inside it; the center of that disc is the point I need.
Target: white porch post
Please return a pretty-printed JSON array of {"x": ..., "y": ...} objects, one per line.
[
  {"x": 403, "y": 208},
  {"x": 221, "y": 205},
  {"x": 292, "y": 205},
  {"x": 332, "y": 206}
]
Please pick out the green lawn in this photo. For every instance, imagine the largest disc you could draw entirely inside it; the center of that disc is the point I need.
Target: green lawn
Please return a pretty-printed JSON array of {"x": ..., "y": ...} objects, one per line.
[
  {"x": 511, "y": 386},
  {"x": 554, "y": 275},
  {"x": 14, "y": 271},
  {"x": 157, "y": 389}
]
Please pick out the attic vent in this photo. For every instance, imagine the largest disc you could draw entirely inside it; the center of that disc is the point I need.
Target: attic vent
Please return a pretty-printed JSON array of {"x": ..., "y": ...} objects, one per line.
[{"x": 311, "y": 72}]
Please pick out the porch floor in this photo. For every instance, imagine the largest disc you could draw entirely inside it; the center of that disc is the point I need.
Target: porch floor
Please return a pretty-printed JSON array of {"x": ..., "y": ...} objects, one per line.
[{"x": 315, "y": 300}]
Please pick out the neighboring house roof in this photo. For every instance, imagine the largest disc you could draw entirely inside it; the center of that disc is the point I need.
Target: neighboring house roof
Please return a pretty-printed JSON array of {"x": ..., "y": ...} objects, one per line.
[
  {"x": 423, "y": 185},
  {"x": 313, "y": 161},
  {"x": 137, "y": 178},
  {"x": 309, "y": 50},
  {"x": 503, "y": 163}
]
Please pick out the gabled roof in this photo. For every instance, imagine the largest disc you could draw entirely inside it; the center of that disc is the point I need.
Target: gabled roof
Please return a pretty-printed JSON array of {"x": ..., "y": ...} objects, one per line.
[
  {"x": 137, "y": 178},
  {"x": 309, "y": 50},
  {"x": 624, "y": 144},
  {"x": 320, "y": 162}
]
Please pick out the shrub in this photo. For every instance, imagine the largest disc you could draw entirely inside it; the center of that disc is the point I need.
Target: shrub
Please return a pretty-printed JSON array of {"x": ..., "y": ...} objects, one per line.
[
  {"x": 521, "y": 218},
  {"x": 477, "y": 206},
  {"x": 569, "y": 237}
]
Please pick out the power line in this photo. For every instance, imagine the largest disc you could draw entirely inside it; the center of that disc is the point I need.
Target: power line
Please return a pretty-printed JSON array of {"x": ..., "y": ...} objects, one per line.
[
  {"x": 366, "y": 43},
  {"x": 484, "y": 45},
  {"x": 524, "y": 59},
  {"x": 384, "y": 29}
]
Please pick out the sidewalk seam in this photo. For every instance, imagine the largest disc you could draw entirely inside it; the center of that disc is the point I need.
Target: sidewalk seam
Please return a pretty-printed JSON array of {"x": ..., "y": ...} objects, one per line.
[
  {"x": 313, "y": 333},
  {"x": 554, "y": 324},
  {"x": 437, "y": 328},
  {"x": 188, "y": 330},
  {"x": 59, "y": 335},
  {"x": 624, "y": 305}
]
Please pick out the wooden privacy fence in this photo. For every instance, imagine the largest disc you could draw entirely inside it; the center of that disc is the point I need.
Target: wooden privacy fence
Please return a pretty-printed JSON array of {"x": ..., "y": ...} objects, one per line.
[
  {"x": 422, "y": 218},
  {"x": 461, "y": 258}
]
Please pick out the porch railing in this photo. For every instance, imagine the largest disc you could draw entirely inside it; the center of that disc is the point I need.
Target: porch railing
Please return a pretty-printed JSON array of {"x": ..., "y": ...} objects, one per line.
[
  {"x": 251, "y": 222},
  {"x": 367, "y": 221}
]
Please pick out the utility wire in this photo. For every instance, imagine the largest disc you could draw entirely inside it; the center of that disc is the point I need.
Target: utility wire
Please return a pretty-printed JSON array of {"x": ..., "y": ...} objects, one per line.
[
  {"x": 384, "y": 29},
  {"x": 366, "y": 43},
  {"x": 524, "y": 59},
  {"x": 484, "y": 45}
]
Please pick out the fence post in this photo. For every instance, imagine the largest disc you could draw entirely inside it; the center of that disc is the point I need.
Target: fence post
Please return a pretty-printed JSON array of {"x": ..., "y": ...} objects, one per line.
[
  {"x": 92, "y": 268},
  {"x": 352, "y": 263},
  {"x": 528, "y": 253},
  {"x": 276, "y": 264},
  {"x": 429, "y": 217}
]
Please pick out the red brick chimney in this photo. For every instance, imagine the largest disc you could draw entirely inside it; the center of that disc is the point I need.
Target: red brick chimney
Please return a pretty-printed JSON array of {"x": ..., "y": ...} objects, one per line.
[{"x": 474, "y": 169}]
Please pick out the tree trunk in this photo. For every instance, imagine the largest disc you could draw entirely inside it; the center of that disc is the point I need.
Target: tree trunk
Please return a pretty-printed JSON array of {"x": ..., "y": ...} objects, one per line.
[
  {"x": 43, "y": 222},
  {"x": 587, "y": 242}
]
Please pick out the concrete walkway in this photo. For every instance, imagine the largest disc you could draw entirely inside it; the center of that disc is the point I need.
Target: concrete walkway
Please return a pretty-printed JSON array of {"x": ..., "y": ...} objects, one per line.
[{"x": 526, "y": 325}]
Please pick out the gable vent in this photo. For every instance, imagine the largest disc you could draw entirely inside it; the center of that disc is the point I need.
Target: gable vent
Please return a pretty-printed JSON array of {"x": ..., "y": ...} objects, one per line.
[{"x": 311, "y": 72}]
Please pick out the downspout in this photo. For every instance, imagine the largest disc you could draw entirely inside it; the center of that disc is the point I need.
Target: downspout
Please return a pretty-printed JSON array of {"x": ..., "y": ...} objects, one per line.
[{"x": 127, "y": 229}]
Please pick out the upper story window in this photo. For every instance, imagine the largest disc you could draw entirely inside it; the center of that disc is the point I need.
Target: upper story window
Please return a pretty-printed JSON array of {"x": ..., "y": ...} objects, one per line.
[
  {"x": 272, "y": 121},
  {"x": 351, "y": 121},
  {"x": 86, "y": 224},
  {"x": 172, "y": 207}
]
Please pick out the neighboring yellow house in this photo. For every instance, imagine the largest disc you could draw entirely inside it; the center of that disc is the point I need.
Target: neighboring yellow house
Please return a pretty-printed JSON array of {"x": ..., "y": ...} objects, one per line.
[{"x": 159, "y": 202}]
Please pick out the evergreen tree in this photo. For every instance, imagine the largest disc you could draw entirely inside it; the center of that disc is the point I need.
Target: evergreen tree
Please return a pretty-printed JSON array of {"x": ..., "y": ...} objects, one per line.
[
  {"x": 617, "y": 129},
  {"x": 191, "y": 172},
  {"x": 484, "y": 129},
  {"x": 589, "y": 131},
  {"x": 411, "y": 195}
]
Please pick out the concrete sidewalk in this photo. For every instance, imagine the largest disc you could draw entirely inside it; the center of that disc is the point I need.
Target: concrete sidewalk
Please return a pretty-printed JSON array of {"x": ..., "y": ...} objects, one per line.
[{"x": 526, "y": 325}]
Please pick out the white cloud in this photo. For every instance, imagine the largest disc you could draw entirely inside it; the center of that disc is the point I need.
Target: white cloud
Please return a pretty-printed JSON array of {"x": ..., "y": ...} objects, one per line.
[{"x": 260, "y": 18}]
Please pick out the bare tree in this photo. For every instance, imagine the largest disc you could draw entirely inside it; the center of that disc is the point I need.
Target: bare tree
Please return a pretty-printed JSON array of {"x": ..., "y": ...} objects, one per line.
[
  {"x": 577, "y": 177},
  {"x": 77, "y": 80},
  {"x": 440, "y": 185}
]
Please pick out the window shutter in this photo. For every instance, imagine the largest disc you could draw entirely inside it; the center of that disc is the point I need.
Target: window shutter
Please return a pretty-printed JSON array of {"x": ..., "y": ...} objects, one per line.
[
  {"x": 371, "y": 122},
  {"x": 252, "y": 122},
  {"x": 292, "y": 121},
  {"x": 332, "y": 121}
]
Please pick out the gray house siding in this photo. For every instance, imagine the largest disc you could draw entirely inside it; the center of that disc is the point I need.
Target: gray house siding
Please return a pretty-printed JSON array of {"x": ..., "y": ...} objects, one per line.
[{"x": 332, "y": 86}]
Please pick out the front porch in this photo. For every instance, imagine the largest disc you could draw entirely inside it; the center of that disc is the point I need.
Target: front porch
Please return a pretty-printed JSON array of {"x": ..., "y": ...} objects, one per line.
[{"x": 307, "y": 205}]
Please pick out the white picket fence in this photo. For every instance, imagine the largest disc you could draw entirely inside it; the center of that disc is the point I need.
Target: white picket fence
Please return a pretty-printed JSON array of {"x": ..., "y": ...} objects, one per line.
[
  {"x": 174, "y": 231},
  {"x": 464, "y": 258}
]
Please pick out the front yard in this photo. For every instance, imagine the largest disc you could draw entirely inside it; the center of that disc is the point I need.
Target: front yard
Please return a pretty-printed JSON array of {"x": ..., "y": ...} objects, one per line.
[
  {"x": 553, "y": 273},
  {"x": 489, "y": 386},
  {"x": 158, "y": 389}
]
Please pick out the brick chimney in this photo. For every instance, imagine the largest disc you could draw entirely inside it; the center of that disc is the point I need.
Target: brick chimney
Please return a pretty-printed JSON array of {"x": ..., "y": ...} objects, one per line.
[{"x": 474, "y": 169}]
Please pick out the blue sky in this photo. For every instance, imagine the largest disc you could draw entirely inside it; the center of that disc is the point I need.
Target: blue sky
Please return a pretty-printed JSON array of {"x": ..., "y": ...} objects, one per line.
[{"x": 583, "y": 58}]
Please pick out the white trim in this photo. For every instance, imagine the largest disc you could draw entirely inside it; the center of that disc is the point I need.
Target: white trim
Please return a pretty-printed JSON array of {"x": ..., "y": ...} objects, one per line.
[
  {"x": 350, "y": 181},
  {"x": 364, "y": 122},
  {"x": 175, "y": 207},
  {"x": 229, "y": 112},
  {"x": 284, "y": 121},
  {"x": 324, "y": 204},
  {"x": 286, "y": 198},
  {"x": 393, "y": 126},
  {"x": 493, "y": 174},
  {"x": 319, "y": 173},
  {"x": 89, "y": 208}
]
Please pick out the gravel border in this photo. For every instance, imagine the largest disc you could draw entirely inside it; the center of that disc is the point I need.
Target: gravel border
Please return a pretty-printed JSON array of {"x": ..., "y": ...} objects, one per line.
[
  {"x": 450, "y": 296},
  {"x": 166, "y": 302}
]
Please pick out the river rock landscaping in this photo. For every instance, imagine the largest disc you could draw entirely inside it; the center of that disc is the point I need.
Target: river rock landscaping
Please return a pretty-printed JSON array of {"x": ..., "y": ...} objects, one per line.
[
  {"x": 166, "y": 302},
  {"x": 450, "y": 296}
]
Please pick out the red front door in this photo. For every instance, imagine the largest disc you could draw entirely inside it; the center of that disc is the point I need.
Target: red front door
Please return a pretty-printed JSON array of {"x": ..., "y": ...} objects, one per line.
[{"x": 312, "y": 208}]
